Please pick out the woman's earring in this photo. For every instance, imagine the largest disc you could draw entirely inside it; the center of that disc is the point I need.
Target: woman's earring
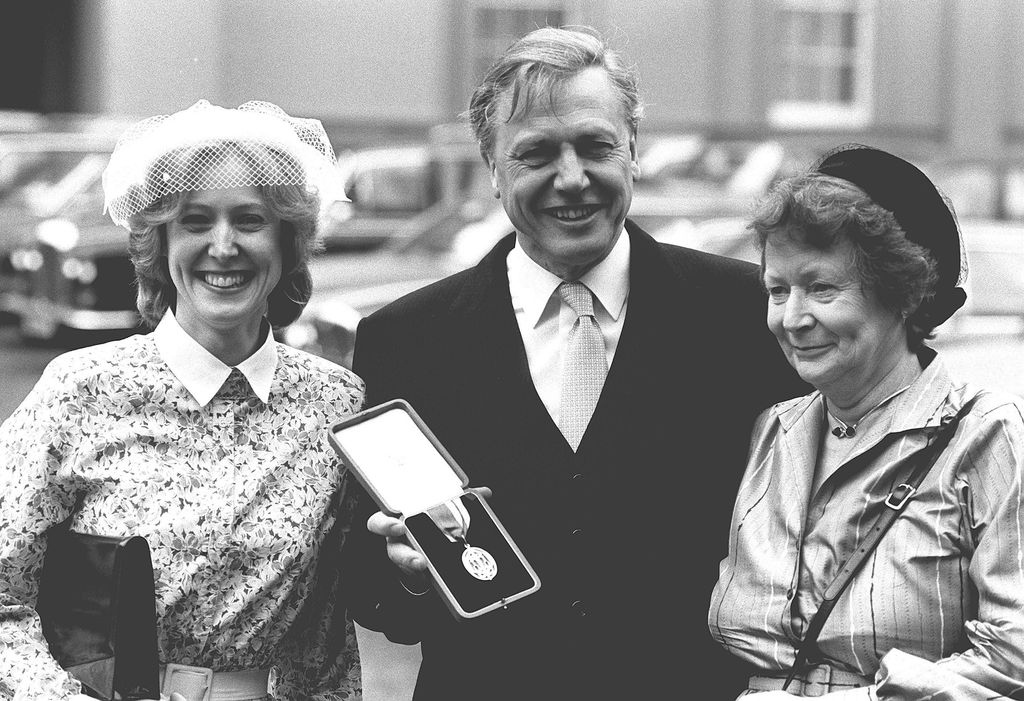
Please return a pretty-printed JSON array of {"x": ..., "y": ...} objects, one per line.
[{"x": 497, "y": 195}]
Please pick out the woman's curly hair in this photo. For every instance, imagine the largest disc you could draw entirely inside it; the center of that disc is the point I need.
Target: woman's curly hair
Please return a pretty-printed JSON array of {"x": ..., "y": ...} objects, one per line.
[{"x": 820, "y": 211}]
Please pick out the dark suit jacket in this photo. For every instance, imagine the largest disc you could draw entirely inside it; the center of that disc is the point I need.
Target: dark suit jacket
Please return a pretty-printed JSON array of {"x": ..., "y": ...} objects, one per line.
[{"x": 627, "y": 533}]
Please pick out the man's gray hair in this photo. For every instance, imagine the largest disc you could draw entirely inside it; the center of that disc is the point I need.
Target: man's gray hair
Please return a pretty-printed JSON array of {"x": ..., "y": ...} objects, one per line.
[{"x": 536, "y": 62}]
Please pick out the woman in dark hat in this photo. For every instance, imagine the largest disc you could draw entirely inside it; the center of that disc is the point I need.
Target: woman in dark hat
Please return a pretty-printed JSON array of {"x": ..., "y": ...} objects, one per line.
[{"x": 861, "y": 261}]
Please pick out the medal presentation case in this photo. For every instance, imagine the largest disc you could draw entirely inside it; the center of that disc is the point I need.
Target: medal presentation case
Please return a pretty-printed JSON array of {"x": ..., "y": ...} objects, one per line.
[{"x": 474, "y": 564}]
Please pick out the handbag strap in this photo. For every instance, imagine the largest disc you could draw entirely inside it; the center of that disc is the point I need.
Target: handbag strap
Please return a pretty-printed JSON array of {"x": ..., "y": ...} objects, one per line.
[{"x": 938, "y": 438}]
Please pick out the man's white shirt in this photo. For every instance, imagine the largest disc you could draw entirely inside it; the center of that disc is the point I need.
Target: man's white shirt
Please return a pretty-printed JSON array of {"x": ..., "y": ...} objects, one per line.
[{"x": 545, "y": 320}]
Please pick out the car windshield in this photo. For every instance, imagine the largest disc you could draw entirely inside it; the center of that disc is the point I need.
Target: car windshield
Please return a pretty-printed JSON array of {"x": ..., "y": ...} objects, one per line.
[
  {"x": 86, "y": 204},
  {"x": 400, "y": 187},
  {"x": 47, "y": 182}
]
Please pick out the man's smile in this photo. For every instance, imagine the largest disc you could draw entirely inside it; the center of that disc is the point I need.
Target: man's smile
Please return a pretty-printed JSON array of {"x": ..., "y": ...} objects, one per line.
[{"x": 572, "y": 213}]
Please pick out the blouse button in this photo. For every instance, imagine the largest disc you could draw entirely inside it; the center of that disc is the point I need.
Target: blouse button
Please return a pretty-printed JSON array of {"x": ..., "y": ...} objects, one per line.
[{"x": 579, "y": 609}]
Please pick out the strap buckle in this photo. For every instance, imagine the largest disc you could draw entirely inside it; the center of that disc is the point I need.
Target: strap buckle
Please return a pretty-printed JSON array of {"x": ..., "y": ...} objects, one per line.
[
  {"x": 900, "y": 496},
  {"x": 194, "y": 683}
]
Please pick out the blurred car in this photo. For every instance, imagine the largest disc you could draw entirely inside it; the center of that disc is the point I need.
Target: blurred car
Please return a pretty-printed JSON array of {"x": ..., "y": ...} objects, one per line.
[
  {"x": 723, "y": 236},
  {"x": 27, "y": 137},
  {"x": 696, "y": 177},
  {"x": 399, "y": 191},
  {"x": 56, "y": 178},
  {"x": 70, "y": 271}
]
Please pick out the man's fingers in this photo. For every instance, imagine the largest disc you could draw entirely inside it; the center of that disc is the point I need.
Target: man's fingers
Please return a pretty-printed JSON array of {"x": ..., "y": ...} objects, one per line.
[
  {"x": 406, "y": 557},
  {"x": 403, "y": 555},
  {"x": 388, "y": 526}
]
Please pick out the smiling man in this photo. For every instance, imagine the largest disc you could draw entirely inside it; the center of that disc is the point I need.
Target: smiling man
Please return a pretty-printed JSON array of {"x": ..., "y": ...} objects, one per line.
[
  {"x": 564, "y": 168},
  {"x": 601, "y": 384}
]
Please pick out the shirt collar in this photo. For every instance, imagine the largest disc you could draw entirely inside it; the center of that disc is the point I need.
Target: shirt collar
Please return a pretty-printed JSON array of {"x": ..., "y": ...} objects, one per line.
[
  {"x": 534, "y": 285},
  {"x": 201, "y": 372},
  {"x": 929, "y": 397}
]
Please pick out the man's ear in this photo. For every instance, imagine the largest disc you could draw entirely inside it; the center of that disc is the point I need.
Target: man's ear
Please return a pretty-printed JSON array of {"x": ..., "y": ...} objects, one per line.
[
  {"x": 493, "y": 170},
  {"x": 634, "y": 157}
]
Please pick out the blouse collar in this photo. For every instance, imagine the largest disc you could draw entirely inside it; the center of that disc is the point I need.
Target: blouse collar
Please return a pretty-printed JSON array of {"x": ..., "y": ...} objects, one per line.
[
  {"x": 201, "y": 372},
  {"x": 921, "y": 405}
]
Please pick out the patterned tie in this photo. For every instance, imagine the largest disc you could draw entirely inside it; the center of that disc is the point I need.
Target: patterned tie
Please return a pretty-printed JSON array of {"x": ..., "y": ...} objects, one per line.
[
  {"x": 235, "y": 386},
  {"x": 584, "y": 365}
]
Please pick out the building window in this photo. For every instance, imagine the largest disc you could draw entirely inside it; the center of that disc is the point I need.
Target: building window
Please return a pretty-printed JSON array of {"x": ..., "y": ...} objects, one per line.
[
  {"x": 824, "y": 64},
  {"x": 495, "y": 25}
]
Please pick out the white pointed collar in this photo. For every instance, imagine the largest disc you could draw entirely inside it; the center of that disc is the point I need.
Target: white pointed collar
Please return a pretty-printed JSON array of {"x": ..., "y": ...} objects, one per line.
[
  {"x": 201, "y": 372},
  {"x": 535, "y": 285}
]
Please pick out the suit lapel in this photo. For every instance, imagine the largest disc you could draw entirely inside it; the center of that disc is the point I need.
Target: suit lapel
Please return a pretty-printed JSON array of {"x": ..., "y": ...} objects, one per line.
[
  {"x": 651, "y": 340},
  {"x": 496, "y": 358},
  {"x": 484, "y": 308}
]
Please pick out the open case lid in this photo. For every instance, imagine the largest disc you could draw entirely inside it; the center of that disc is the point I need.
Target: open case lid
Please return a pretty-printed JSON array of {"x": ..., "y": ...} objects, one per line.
[{"x": 397, "y": 459}]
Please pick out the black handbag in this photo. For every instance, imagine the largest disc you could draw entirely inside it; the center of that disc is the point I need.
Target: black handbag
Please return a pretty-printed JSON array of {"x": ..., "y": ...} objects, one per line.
[{"x": 98, "y": 611}]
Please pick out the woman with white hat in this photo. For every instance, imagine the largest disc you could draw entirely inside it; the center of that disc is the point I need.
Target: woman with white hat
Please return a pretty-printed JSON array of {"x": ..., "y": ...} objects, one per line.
[{"x": 204, "y": 436}]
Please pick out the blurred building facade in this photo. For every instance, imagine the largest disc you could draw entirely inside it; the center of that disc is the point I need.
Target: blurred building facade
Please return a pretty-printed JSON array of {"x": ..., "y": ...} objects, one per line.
[{"x": 918, "y": 76}]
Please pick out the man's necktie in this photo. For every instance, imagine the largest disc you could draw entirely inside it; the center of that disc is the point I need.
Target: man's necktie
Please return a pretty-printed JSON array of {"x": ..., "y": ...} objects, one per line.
[{"x": 584, "y": 364}]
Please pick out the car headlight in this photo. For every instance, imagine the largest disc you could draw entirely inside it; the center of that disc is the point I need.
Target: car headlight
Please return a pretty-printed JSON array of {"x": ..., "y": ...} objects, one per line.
[
  {"x": 27, "y": 259},
  {"x": 84, "y": 271},
  {"x": 60, "y": 234}
]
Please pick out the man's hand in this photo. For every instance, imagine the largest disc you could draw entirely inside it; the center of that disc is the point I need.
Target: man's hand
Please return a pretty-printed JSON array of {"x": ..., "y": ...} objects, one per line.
[
  {"x": 406, "y": 558},
  {"x": 403, "y": 555}
]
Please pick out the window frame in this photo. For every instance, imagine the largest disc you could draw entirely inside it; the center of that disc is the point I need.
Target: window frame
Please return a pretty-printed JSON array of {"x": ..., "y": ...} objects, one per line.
[
  {"x": 485, "y": 49},
  {"x": 829, "y": 114}
]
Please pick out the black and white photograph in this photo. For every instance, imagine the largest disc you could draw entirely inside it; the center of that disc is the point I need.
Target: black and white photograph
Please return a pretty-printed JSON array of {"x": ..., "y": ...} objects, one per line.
[{"x": 494, "y": 350}]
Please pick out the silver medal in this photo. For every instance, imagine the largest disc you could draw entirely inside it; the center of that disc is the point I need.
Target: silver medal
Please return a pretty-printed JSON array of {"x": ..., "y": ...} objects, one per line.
[{"x": 479, "y": 563}]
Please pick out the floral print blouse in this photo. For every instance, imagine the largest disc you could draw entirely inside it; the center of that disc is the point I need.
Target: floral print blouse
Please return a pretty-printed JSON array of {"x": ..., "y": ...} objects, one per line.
[{"x": 242, "y": 501}]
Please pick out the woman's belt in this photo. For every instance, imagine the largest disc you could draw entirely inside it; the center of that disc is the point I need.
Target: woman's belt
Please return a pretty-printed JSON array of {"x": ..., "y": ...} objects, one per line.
[
  {"x": 814, "y": 681},
  {"x": 203, "y": 684}
]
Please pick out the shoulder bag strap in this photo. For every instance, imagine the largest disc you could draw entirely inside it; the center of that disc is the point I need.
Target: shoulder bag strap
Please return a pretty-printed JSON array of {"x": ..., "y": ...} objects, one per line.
[{"x": 939, "y": 437}]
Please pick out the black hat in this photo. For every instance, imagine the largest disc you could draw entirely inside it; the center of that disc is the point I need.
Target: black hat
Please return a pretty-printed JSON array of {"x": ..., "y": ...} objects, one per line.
[{"x": 921, "y": 211}]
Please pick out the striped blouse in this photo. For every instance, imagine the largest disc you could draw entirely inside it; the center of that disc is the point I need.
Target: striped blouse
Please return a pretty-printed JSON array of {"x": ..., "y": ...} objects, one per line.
[{"x": 938, "y": 609}]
